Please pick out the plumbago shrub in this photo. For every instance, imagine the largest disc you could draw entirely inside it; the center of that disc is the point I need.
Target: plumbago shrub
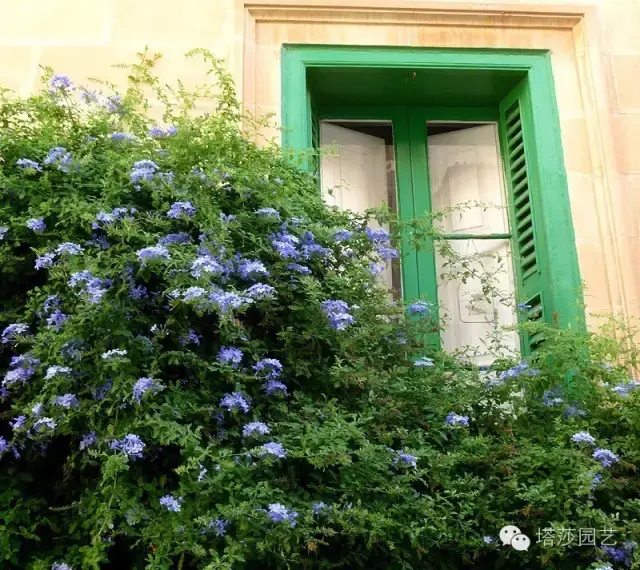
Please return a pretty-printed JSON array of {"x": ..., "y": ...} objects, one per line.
[{"x": 199, "y": 370}]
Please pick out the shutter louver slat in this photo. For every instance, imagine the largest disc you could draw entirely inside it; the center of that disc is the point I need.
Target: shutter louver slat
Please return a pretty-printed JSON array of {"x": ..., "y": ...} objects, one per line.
[{"x": 526, "y": 258}]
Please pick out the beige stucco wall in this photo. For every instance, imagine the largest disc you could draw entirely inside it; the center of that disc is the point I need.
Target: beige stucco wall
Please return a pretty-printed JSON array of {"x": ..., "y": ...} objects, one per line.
[{"x": 595, "y": 55}]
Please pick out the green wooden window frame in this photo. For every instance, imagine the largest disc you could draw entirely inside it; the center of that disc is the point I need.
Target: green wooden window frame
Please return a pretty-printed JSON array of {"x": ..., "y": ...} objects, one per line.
[{"x": 545, "y": 256}]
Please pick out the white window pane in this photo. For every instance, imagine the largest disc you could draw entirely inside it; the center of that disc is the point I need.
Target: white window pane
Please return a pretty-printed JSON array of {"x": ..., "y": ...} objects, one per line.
[
  {"x": 360, "y": 174},
  {"x": 464, "y": 169},
  {"x": 474, "y": 319}
]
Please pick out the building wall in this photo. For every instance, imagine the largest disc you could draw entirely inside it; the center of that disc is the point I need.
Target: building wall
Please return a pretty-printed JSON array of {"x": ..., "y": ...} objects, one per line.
[{"x": 595, "y": 56}]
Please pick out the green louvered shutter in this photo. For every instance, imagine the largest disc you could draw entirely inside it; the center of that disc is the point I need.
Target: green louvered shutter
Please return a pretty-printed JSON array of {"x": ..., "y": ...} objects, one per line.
[{"x": 528, "y": 251}]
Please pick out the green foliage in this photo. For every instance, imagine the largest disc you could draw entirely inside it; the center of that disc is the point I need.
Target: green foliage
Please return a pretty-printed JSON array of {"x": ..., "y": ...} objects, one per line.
[{"x": 355, "y": 399}]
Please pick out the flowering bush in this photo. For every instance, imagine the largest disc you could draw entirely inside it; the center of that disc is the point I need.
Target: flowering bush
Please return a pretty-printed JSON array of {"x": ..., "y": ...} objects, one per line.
[{"x": 200, "y": 371}]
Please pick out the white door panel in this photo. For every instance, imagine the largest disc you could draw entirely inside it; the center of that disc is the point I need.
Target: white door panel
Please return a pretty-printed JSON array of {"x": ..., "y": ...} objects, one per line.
[{"x": 355, "y": 177}]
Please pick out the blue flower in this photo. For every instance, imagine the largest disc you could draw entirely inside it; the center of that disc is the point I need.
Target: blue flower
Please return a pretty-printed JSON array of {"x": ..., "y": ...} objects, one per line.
[
  {"x": 57, "y": 319},
  {"x": 100, "y": 393},
  {"x": 279, "y": 514},
  {"x": 337, "y": 312},
  {"x": 191, "y": 338},
  {"x": 454, "y": 419},
  {"x": 56, "y": 370},
  {"x": 227, "y": 301},
  {"x": 4, "y": 445},
  {"x": 274, "y": 386},
  {"x": 342, "y": 235},
  {"x": 160, "y": 133},
  {"x": 421, "y": 308},
  {"x": 67, "y": 401},
  {"x": 551, "y": 397},
  {"x": 255, "y": 428},
  {"x": 583, "y": 437},
  {"x": 69, "y": 248},
  {"x": 142, "y": 386},
  {"x": 193, "y": 293},
  {"x": 387, "y": 253},
  {"x": 58, "y": 155},
  {"x": 378, "y": 236},
  {"x": 130, "y": 444},
  {"x": 574, "y": 411},
  {"x": 60, "y": 566},
  {"x": 299, "y": 268},
  {"x": 170, "y": 503},
  {"x": 488, "y": 539},
  {"x": 29, "y": 165},
  {"x": 3, "y": 231},
  {"x": 268, "y": 213},
  {"x": 36, "y": 224},
  {"x": 143, "y": 170},
  {"x": 44, "y": 423},
  {"x": 250, "y": 268},
  {"x": 44, "y": 260},
  {"x": 113, "y": 354},
  {"x": 13, "y": 331},
  {"x": 605, "y": 457},
  {"x": 153, "y": 253},
  {"x": 518, "y": 370},
  {"x": 226, "y": 219},
  {"x": 18, "y": 423},
  {"x": 218, "y": 526},
  {"x": 405, "y": 458},
  {"x": 236, "y": 401},
  {"x": 230, "y": 355},
  {"x": 114, "y": 104},
  {"x": 60, "y": 83},
  {"x": 260, "y": 292},
  {"x": 179, "y": 208},
  {"x": 206, "y": 264},
  {"x": 109, "y": 217},
  {"x": 173, "y": 239},
  {"x": 128, "y": 137},
  {"x": 319, "y": 507},
  {"x": 88, "y": 440},
  {"x": 624, "y": 388},
  {"x": 273, "y": 449},
  {"x": 272, "y": 367}
]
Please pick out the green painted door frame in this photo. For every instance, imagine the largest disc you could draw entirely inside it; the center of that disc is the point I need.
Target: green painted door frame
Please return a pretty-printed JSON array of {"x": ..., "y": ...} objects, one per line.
[{"x": 556, "y": 245}]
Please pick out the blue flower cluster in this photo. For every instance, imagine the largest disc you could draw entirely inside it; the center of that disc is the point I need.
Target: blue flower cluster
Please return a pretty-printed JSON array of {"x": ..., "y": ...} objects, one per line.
[
  {"x": 278, "y": 513},
  {"x": 131, "y": 445},
  {"x": 583, "y": 437},
  {"x": 22, "y": 368},
  {"x": 454, "y": 419},
  {"x": 153, "y": 253},
  {"x": 67, "y": 401},
  {"x": 236, "y": 401},
  {"x": 419, "y": 308},
  {"x": 606, "y": 457},
  {"x": 36, "y": 224},
  {"x": 170, "y": 503},
  {"x": 93, "y": 288},
  {"x": 142, "y": 386},
  {"x": 255, "y": 428},
  {"x": 28, "y": 165},
  {"x": 338, "y": 313},
  {"x": 160, "y": 133},
  {"x": 60, "y": 157},
  {"x": 230, "y": 355},
  {"x": 13, "y": 331},
  {"x": 181, "y": 208}
]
